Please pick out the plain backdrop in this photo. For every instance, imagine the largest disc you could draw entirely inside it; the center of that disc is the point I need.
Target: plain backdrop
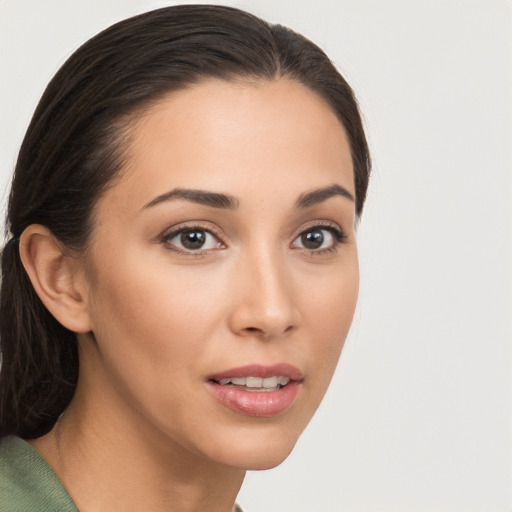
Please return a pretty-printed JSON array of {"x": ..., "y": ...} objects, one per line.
[{"x": 418, "y": 417}]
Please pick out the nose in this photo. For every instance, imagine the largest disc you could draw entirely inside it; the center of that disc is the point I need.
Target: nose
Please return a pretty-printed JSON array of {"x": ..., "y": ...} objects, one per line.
[{"x": 264, "y": 302}]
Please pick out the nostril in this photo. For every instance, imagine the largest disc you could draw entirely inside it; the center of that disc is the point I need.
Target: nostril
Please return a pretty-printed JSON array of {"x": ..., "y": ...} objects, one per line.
[
  {"x": 288, "y": 329},
  {"x": 254, "y": 330},
  {"x": 257, "y": 332},
  {"x": 262, "y": 333}
]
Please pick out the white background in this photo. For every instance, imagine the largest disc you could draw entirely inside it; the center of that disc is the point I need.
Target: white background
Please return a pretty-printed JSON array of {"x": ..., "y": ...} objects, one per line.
[{"x": 418, "y": 417}]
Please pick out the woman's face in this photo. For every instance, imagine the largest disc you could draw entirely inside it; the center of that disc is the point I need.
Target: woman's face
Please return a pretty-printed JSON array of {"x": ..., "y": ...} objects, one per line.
[{"x": 223, "y": 273}]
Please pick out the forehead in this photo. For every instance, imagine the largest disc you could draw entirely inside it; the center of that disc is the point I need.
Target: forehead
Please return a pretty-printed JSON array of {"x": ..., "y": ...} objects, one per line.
[{"x": 245, "y": 137}]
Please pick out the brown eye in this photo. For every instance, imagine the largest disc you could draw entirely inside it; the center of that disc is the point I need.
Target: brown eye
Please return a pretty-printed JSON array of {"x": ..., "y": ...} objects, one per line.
[
  {"x": 192, "y": 239},
  {"x": 318, "y": 239},
  {"x": 312, "y": 239}
]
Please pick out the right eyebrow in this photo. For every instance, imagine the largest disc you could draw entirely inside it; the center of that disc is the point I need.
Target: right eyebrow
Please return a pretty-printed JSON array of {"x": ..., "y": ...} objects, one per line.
[
  {"x": 318, "y": 196},
  {"x": 213, "y": 199}
]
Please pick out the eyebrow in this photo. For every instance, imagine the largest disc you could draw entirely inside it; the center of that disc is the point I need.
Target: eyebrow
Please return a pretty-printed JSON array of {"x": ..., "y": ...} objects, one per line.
[
  {"x": 218, "y": 200},
  {"x": 322, "y": 194},
  {"x": 203, "y": 197}
]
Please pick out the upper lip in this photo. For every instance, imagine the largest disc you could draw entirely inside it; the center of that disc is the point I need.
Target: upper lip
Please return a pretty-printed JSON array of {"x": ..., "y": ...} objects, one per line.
[{"x": 258, "y": 370}]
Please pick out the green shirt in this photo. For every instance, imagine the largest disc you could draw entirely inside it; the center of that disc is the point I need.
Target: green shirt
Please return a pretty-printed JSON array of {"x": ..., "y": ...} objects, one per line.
[{"x": 27, "y": 483}]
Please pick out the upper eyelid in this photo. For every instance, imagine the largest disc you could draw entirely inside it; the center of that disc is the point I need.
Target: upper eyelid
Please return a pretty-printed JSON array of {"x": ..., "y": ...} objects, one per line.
[
  {"x": 324, "y": 224},
  {"x": 337, "y": 233},
  {"x": 191, "y": 225},
  {"x": 166, "y": 237},
  {"x": 172, "y": 232}
]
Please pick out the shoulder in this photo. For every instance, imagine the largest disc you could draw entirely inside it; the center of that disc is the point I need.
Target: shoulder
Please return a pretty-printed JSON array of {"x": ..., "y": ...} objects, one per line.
[{"x": 27, "y": 483}]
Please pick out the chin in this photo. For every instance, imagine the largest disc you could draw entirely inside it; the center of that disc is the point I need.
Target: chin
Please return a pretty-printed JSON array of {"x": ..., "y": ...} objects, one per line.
[
  {"x": 266, "y": 458},
  {"x": 257, "y": 449}
]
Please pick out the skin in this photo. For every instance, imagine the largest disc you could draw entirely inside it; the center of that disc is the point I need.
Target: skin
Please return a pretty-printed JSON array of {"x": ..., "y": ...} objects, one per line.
[{"x": 155, "y": 320}]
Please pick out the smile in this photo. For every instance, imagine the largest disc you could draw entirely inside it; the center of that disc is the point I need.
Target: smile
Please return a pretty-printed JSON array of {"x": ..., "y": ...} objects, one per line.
[
  {"x": 256, "y": 384},
  {"x": 259, "y": 391}
]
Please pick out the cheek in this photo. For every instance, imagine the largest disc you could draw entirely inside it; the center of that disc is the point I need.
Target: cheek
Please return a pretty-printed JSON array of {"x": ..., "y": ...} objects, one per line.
[
  {"x": 328, "y": 312},
  {"x": 145, "y": 317},
  {"x": 153, "y": 328},
  {"x": 329, "y": 299},
  {"x": 160, "y": 326},
  {"x": 150, "y": 309}
]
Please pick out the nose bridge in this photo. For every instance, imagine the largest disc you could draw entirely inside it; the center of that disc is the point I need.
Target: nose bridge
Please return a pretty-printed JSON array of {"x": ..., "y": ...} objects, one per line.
[{"x": 265, "y": 300}]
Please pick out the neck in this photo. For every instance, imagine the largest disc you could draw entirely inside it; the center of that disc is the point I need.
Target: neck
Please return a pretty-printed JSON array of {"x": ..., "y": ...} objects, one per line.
[{"x": 108, "y": 457}]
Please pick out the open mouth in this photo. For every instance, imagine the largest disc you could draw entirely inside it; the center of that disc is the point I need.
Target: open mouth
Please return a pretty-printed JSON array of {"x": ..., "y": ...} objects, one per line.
[
  {"x": 254, "y": 384},
  {"x": 257, "y": 390}
]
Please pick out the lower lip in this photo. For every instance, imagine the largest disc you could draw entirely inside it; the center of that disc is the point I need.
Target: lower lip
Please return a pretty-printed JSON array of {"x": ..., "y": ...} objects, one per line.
[{"x": 262, "y": 404}]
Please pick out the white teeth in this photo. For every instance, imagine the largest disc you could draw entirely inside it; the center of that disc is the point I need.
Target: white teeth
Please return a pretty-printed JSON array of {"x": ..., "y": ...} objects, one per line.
[
  {"x": 270, "y": 382},
  {"x": 256, "y": 382}
]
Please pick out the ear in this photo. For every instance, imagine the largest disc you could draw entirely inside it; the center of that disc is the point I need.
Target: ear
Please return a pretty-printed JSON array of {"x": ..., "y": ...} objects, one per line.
[{"x": 57, "y": 277}]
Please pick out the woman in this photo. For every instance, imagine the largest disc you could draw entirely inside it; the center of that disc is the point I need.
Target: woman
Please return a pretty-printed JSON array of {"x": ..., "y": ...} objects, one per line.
[{"x": 181, "y": 270}]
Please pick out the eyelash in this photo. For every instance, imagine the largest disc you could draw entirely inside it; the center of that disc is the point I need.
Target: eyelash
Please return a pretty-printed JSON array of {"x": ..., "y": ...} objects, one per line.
[
  {"x": 191, "y": 228},
  {"x": 338, "y": 237},
  {"x": 337, "y": 233}
]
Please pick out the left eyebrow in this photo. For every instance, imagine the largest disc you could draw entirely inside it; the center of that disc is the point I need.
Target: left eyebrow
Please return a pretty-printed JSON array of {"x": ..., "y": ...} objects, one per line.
[
  {"x": 322, "y": 194},
  {"x": 203, "y": 197}
]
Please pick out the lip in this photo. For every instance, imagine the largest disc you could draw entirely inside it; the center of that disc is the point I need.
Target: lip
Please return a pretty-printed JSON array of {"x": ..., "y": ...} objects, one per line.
[
  {"x": 261, "y": 404},
  {"x": 263, "y": 371}
]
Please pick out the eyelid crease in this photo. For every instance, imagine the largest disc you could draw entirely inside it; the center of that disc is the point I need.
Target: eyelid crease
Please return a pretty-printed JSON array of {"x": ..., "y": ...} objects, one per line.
[
  {"x": 336, "y": 231},
  {"x": 202, "y": 225},
  {"x": 174, "y": 231},
  {"x": 323, "y": 224}
]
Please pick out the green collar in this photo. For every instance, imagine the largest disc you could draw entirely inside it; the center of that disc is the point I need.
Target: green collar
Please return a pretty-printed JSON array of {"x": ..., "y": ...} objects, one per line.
[{"x": 27, "y": 483}]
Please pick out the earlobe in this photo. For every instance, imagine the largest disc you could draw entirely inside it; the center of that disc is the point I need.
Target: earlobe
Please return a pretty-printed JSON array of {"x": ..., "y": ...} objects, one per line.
[{"x": 55, "y": 277}]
